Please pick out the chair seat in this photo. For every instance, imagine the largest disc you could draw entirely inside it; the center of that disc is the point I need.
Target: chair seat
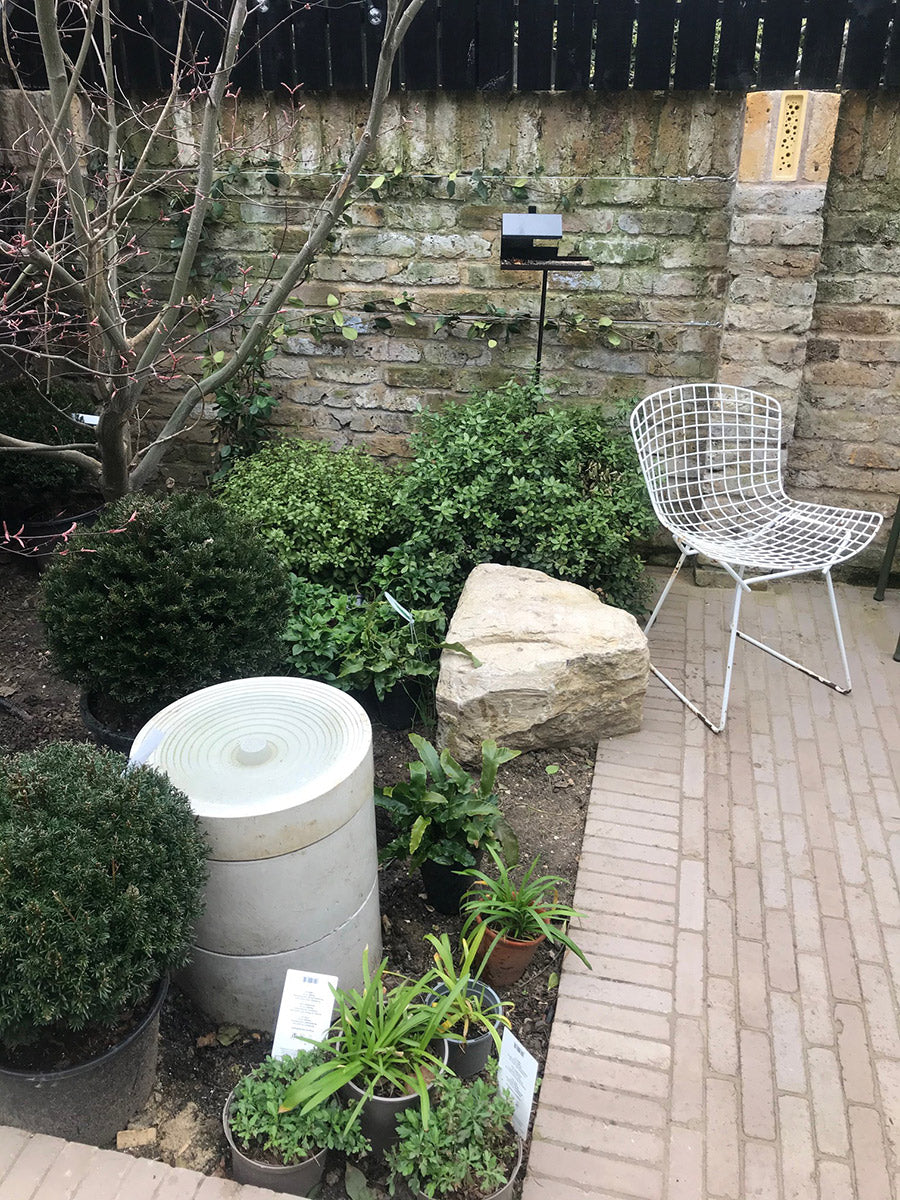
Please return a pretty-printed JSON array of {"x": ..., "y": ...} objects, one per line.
[{"x": 790, "y": 536}]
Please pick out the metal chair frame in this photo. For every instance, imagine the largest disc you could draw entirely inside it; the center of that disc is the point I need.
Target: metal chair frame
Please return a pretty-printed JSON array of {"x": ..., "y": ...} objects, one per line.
[{"x": 711, "y": 457}]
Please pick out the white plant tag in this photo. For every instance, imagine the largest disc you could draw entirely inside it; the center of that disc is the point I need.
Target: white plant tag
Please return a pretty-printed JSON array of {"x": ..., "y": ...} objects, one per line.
[
  {"x": 305, "y": 1013},
  {"x": 402, "y": 612},
  {"x": 140, "y": 754},
  {"x": 517, "y": 1074}
]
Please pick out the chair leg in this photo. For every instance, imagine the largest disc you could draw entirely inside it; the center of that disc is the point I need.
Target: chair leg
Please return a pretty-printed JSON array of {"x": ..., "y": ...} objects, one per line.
[
  {"x": 738, "y": 590},
  {"x": 889, "y": 551}
]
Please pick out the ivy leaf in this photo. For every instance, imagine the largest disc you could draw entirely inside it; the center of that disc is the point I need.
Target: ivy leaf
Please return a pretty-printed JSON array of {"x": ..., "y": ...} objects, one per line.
[
  {"x": 492, "y": 343},
  {"x": 332, "y": 300},
  {"x": 349, "y": 333},
  {"x": 219, "y": 356},
  {"x": 377, "y": 182}
]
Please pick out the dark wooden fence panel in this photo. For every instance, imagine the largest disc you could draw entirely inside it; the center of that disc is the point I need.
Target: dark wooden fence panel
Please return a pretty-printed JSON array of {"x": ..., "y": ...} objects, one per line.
[
  {"x": 499, "y": 45},
  {"x": 653, "y": 51}
]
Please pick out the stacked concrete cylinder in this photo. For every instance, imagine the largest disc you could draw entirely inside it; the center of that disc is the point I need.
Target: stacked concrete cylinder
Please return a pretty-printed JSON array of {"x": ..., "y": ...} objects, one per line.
[{"x": 279, "y": 772}]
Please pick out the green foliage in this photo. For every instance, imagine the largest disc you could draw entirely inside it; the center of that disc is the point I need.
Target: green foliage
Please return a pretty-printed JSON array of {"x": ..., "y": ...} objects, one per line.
[
  {"x": 471, "y": 1011},
  {"x": 327, "y": 513},
  {"x": 505, "y": 479},
  {"x": 163, "y": 597},
  {"x": 468, "y": 1149},
  {"x": 244, "y": 406},
  {"x": 441, "y": 813},
  {"x": 521, "y": 912},
  {"x": 259, "y": 1126},
  {"x": 382, "y": 1041},
  {"x": 25, "y": 413},
  {"x": 353, "y": 643},
  {"x": 101, "y": 882}
]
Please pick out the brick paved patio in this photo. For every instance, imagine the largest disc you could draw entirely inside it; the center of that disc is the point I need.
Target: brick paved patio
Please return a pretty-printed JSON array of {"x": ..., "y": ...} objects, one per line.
[{"x": 738, "y": 1036}]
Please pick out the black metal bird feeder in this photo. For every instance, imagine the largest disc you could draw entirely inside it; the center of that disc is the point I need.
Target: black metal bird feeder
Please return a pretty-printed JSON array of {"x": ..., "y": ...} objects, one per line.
[{"x": 530, "y": 242}]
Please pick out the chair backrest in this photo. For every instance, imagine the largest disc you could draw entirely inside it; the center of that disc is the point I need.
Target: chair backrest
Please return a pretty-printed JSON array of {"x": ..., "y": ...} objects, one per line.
[{"x": 710, "y": 454}]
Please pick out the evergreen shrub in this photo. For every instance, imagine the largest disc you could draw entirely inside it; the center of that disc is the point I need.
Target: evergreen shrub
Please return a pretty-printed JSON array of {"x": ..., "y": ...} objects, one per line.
[
  {"x": 163, "y": 597},
  {"x": 101, "y": 881}
]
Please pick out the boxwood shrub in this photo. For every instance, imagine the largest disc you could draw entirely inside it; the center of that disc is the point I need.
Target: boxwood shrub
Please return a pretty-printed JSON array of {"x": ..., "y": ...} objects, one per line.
[
  {"x": 328, "y": 514},
  {"x": 162, "y": 597},
  {"x": 101, "y": 880}
]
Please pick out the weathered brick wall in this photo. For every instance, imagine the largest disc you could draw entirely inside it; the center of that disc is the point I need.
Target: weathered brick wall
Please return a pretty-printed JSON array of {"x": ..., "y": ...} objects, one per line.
[
  {"x": 655, "y": 179},
  {"x": 847, "y": 442}
]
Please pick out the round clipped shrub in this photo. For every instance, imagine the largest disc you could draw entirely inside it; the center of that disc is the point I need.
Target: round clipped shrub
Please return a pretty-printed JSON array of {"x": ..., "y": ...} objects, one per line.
[
  {"x": 506, "y": 478},
  {"x": 327, "y": 513},
  {"x": 163, "y": 597},
  {"x": 101, "y": 881}
]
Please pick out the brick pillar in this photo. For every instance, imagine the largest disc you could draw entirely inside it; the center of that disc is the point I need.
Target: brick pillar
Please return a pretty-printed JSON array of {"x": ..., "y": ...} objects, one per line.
[{"x": 775, "y": 241}]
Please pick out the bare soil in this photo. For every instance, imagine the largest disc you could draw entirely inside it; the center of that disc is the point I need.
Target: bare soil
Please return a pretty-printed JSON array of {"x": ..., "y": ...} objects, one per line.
[{"x": 200, "y": 1062}]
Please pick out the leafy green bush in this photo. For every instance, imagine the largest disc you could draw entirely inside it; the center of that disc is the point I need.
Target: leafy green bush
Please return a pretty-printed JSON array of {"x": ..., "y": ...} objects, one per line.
[
  {"x": 466, "y": 1148},
  {"x": 327, "y": 513},
  {"x": 260, "y": 1128},
  {"x": 503, "y": 478},
  {"x": 26, "y": 414},
  {"x": 163, "y": 597},
  {"x": 353, "y": 643},
  {"x": 101, "y": 880}
]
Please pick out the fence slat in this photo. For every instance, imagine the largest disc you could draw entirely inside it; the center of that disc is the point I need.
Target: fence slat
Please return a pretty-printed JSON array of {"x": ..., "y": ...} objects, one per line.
[
  {"x": 696, "y": 38},
  {"x": 247, "y": 73},
  {"x": 276, "y": 49},
  {"x": 653, "y": 50},
  {"x": 459, "y": 44},
  {"x": 892, "y": 63},
  {"x": 535, "y": 45},
  {"x": 345, "y": 29},
  {"x": 822, "y": 44},
  {"x": 736, "y": 69},
  {"x": 866, "y": 38},
  {"x": 612, "y": 62},
  {"x": 574, "y": 34},
  {"x": 780, "y": 44},
  {"x": 205, "y": 33},
  {"x": 374, "y": 20},
  {"x": 420, "y": 49},
  {"x": 310, "y": 47},
  {"x": 495, "y": 45}
]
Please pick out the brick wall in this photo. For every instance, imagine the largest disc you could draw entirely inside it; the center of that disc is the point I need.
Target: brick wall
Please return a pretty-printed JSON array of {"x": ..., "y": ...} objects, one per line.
[{"x": 847, "y": 442}]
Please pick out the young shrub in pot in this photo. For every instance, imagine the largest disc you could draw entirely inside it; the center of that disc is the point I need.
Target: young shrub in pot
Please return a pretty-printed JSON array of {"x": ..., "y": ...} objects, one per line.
[
  {"x": 444, "y": 819},
  {"x": 101, "y": 882},
  {"x": 284, "y": 1150},
  {"x": 161, "y": 598},
  {"x": 517, "y": 919},
  {"x": 467, "y": 1151}
]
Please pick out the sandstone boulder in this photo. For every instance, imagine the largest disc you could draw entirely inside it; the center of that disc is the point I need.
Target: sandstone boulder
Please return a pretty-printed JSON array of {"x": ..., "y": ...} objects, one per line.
[{"x": 559, "y": 667}]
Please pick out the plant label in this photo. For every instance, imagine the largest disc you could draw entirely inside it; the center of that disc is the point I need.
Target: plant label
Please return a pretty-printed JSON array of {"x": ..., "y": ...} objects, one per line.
[
  {"x": 517, "y": 1074},
  {"x": 305, "y": 1013},
  {"x": 140, "y": 754}
]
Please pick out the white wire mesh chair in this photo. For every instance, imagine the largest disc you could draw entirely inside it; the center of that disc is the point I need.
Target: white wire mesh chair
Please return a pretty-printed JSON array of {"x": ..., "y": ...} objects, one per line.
[{"x": 711, "y": 458}]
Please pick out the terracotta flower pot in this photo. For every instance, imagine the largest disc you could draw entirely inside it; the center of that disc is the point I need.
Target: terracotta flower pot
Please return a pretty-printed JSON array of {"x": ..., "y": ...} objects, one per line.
[{"x": 507, "y": 959}]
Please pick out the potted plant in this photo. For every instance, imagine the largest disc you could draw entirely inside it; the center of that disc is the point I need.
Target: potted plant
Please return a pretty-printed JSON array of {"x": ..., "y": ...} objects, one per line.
[
  {"x": 282, "y": 1150},
  {"x": 162, "y": 598},
  {"x": 517, "y": 919},
  {"x": 467, "y": 1151},
  {"x": 472, "y": 1022},
  {"x": 383, "y": 1053},
  {"x": 101, "y": 881},
  {"x": 443, "y": 818}
]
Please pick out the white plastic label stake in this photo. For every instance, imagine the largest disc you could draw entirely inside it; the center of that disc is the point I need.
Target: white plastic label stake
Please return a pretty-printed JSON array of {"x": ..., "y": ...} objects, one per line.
[
  {"x": 140, "y": 754},
  {"x": 399, "y": 609},
  {"x": 305, "y": 1013},
  {"x": 517, "y": 1074}
]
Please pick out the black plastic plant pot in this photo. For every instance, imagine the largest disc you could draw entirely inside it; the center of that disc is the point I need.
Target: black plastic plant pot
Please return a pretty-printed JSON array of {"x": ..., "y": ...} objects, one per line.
[
  {"x": 103, "y": 735},
  {"x": 93, "y": 1101},
  {"x": 469, "y": 1056},
  {"x": 445, "y": 886},
  {"x": 378, "y": 1116},
  {"x": 297, "y": 1179}
]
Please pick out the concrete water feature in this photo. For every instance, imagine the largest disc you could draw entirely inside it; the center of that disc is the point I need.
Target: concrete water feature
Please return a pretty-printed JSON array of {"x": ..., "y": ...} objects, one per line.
[{"x": 280, "y": 773}]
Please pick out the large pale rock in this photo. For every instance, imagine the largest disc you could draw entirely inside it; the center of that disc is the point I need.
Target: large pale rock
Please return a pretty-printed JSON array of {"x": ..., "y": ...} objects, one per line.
[{"x": 559, "y": 667}]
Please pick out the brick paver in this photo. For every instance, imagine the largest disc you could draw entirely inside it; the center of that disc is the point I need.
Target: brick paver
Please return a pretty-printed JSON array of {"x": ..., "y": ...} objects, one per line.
[
  {"x": 765, "y": 945},
  {"x": 739, "y": 1035}
]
